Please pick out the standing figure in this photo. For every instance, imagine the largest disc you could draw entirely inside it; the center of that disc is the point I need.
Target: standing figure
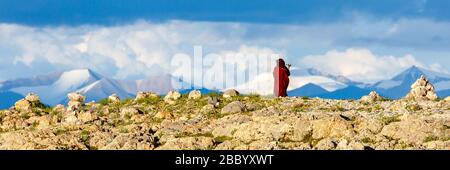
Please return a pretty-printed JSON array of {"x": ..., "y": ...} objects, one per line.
[{"x": 281, "y": 75}]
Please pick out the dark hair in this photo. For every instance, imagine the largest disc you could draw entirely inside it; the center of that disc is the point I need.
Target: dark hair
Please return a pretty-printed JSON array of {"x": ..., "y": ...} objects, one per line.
[{"x": 281, "y": 63}]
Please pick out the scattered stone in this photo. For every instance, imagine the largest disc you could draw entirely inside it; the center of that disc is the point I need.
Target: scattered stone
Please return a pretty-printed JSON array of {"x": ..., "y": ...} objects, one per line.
[
  {"x": 422, "y": 89},
  {"x": 208, "y": 109},
  {"x": 33, "y": 98},
  {"x": 143, "y": 95},
  {"x": 172, "y": 96},
  {"x": 163, "y": 115},
  {"x": 76, "y": 96},
  {"x": 76, "y": 101},
  {"x": 195, "y": 94},
  {"x": 189, "y": 143},
  {"x": 114, "y": 98},
  {"x": 372, "y": 97},
  {"x": 128, "y": 112},
  {"x": 233, "y": 107},
  {"x": 22, "y": 105},
  {"x": 230, "y": 93},
  {"x": 85, "y": 117}
]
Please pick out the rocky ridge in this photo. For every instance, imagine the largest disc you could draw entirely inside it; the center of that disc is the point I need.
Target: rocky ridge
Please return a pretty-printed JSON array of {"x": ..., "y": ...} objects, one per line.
[{"x": 230, "y": 122}]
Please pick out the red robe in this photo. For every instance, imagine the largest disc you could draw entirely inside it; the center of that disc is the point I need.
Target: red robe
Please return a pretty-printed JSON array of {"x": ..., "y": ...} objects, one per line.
[{"x": 281, "y": 76}]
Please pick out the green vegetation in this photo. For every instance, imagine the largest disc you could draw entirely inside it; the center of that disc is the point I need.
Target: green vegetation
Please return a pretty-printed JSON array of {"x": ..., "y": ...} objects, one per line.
[
  {"x": 367, "y": 140},
  {"x": 221, "y": 139},
  {"x": 390, "y": 119},
  {"x": 430, "y": 138}
]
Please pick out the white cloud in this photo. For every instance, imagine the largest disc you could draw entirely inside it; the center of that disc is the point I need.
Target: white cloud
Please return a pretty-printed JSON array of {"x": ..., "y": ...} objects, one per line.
[
  {"x": 135, "y": 50},
  {"x": 362, "y": 64}
]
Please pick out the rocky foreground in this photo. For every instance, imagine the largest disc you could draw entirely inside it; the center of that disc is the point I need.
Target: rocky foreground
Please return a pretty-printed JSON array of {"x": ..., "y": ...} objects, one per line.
[{"x": 230, "y": 121}]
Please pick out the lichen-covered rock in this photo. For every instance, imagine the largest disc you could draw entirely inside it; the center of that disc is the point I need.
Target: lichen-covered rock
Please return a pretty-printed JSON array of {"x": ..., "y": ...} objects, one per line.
[
  {"x": 188, "y": 143},
  {"x": 76, "y": 96},
  {"x": 114, "y": 98},
  {"x": 372, "y": 97},
  {"x": 33, "y": 98},
  {"x": 422, "y": 89},
  {"x": 230, "y": 93},
  {"x": 144, "y": 95},
  {"x": 172, "y": 96},
  {"x": 266, "y": 123},
  {"x": 74, "y": 105},
  {"x": 195, "y": 94},
  {"x": 22, "y": 105},
  {"x": 233, "y": 107}
]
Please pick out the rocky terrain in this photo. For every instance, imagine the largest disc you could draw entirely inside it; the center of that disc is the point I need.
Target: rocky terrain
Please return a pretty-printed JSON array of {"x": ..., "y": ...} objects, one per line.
[{"x": 230, "y": 121}]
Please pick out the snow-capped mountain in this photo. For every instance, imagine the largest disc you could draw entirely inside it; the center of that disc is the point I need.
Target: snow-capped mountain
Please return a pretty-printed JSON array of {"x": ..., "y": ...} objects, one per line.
[
  {"x": 55, "y": 90},
  {"x": 400, "y": 85},
  {"x": 263, "y": 83}
]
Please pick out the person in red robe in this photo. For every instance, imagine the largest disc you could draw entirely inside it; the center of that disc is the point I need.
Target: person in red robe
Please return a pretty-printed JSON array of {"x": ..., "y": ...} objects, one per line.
[{"x": 281, "y": 75}]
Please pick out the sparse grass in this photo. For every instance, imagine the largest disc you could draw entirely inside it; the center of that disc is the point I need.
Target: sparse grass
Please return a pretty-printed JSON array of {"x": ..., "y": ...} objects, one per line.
[
  {"x": 335, "y": 108},
  {"x": 413, "y": 107},
  {"x": 309, "y": 139},
  {"x": 301, "y": 107},
  {"x": 430, "y": 138},
  {"x": 59, "y": 131},
  {"x": 390, "y": 119},
  {"x": 378, "y": 107},
  {"x": 221, "y": 139},
  {"x": 367, "y": 140},
  {"x": 208, "y": 134},
  {"x": 84, "y": 136}
]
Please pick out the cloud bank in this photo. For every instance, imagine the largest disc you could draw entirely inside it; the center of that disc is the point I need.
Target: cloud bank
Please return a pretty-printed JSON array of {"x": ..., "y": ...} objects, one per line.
[{"x": 360, "y": 48}]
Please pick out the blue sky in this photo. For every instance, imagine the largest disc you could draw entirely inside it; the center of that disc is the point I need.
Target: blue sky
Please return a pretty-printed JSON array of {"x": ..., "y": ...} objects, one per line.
[
  {"x": 133, "y": 39},
  {"x": 56, "y": 12}
]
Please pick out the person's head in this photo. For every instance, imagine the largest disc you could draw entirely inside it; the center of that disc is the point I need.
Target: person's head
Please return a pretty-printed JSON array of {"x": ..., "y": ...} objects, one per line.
[{"x": 281, "y": 63}]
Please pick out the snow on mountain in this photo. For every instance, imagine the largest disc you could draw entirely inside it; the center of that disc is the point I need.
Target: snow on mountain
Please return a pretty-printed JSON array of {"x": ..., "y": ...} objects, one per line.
[
  {"x": 67, "y": 82},
  {"x": 263, "y": 83},
  {"x": 400, "y": 84},
  {"x": 159, "y": 84},
  {"x": 102, "y": 89}
]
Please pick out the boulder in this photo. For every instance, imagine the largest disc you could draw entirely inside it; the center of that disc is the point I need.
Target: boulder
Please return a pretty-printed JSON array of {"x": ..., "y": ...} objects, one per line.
[
  {"x": 114, "y": 98},
  {"x": 76, "y": 96},
  {"x": 22, "y": 105},
  {"x": 74, "y": 105},
  {"x": 128, "y": 112},
  {"x": 189, "y": 143},
  {"x": 230, "y": 93},
  {"x": 422, "y": 89},
  {"x": 233, "y": 107},
  {"x": 143, "y": 95},
  {"x": 172, "y": 96},
  {"x": 195, "y": 94},
  {"x": 33, "y": 98},
  {"x": 372, "y": 97},
  {"x": 76, "y": 101}
]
